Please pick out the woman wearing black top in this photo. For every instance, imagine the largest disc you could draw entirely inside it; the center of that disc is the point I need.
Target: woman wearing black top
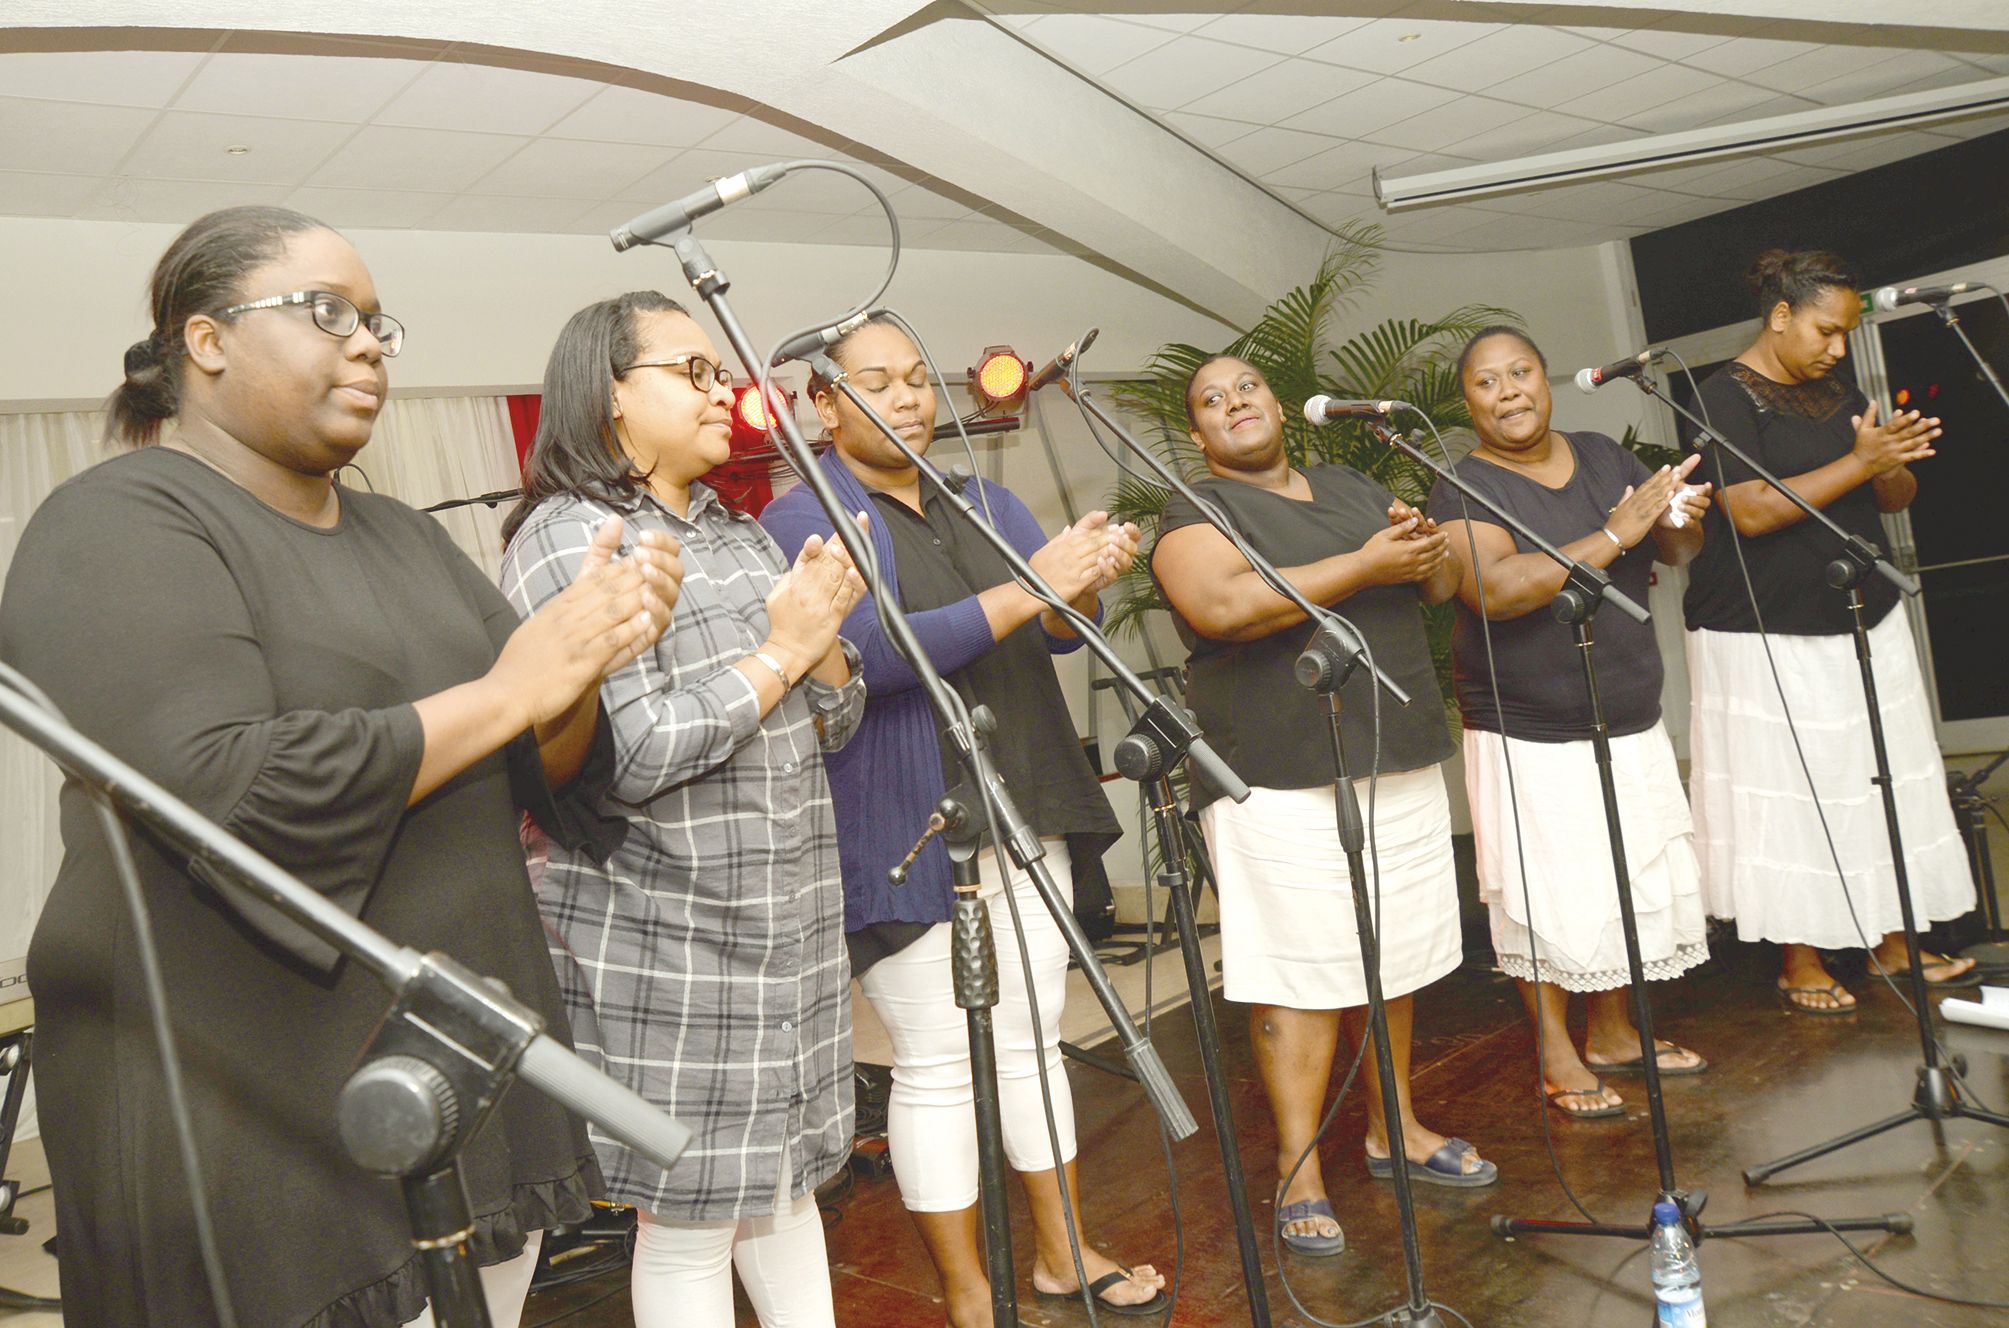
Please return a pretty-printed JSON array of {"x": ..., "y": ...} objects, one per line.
[
  {"x": 1289, "y": 946},
  {"x": 1558, "y": 930},
  {"x": 1765, "y": 853},
  {"x": 324, "y": 674}
]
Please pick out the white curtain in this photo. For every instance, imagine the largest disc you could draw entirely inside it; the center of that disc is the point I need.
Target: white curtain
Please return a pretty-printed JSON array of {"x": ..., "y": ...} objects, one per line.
[{"x": 425, "y": 450}]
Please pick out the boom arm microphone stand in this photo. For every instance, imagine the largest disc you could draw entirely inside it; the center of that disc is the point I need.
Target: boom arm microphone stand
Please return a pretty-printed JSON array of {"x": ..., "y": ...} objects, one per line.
[
  {"x": 1943, "y": 311},
  {"x": 444, "y": 1055},
  {"x": 1017, "y": 837},
  {"x": 1936, "y": 1097},
  {"x": 1333, "y": 652},
  {"x": 1576, "y": 604}
]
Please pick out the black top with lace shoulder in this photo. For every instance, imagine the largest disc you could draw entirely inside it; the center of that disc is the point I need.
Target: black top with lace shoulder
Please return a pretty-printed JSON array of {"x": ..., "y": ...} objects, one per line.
[{"x": 1790, "y": 429}]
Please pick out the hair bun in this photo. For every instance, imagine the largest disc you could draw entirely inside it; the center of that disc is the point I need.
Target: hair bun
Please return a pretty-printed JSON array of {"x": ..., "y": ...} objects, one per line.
[
  {"x": 1767, "y": 268},
  {"x": 141, "y": 356}
]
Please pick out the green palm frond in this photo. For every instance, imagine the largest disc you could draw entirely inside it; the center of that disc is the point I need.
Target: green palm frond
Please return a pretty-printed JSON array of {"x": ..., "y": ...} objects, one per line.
[
  {"x": 1136, "y": 595},
  {"x": 1138, "y": 499}
]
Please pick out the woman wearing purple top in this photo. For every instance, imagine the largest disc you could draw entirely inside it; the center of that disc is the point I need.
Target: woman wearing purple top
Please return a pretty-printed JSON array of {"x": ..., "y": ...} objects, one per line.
[{"x": 992, "y": 641}]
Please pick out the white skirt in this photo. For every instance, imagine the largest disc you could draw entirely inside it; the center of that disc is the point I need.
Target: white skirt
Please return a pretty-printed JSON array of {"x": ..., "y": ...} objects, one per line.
[
  {"x": 1568, "y": 917},
  {"x": 1287, "y": 922},
  {"x": 1765, "y": 861}
]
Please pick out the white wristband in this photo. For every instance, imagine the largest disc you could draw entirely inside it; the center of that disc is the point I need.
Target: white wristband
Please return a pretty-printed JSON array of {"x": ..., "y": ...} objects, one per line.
[
  {"x": 787, "y": 683},
  {"x": 1606, "y": 532}
]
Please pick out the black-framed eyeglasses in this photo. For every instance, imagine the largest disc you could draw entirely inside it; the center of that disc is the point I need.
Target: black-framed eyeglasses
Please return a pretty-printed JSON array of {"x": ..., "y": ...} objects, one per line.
[
  {"x": 703, "y": 372},
  {"x": 334, "y": 314}
]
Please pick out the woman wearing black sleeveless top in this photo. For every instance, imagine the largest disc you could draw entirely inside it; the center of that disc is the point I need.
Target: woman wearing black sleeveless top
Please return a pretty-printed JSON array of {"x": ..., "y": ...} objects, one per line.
[
  {"x": 1765, "y": 854},
  {"x": 1288, "y": 942},
  {"x": 1558, "y": 930}
]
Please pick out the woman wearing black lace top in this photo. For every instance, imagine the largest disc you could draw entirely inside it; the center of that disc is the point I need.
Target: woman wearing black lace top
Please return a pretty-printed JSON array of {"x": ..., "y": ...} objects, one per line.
[{"x": 1765, "y": 858}]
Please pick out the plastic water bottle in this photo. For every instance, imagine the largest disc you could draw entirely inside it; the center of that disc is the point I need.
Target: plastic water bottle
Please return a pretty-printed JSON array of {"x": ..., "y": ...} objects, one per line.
[{"x": 1677, "y": 1278}]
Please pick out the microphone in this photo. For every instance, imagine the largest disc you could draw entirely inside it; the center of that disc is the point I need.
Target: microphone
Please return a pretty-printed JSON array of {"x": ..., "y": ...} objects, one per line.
[
  {"x": 675, "y": 216},
  {"x": 1324, "y": 409},
  {"x": 1891, "y": 297},
  {"x": 1590, "y": 380},
  {"x": 1057, "y": 366},
  {"x": 822, "y": 339}
]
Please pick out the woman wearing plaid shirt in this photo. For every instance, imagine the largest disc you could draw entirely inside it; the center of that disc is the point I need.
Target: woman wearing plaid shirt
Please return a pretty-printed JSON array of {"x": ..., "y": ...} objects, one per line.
[{"x": 703, "y": 962}]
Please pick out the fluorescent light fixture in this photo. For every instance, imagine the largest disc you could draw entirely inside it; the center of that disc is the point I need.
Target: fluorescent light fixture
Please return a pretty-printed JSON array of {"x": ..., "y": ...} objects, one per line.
[{"x": 1693, "y": 145}]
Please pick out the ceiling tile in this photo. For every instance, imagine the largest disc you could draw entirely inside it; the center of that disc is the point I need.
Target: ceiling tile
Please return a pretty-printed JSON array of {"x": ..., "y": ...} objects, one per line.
[
  {"x": 184, "y": 145},
  {"x": 1814, "y": 68},
  {"x": 1206, "y": 130},
  {"x": 1574, "y": 76},
  {"x": 635, "y": 115},
  {"x": 1391, "y": 45},
  {"x": 1664, "y": 43},
  {"x": 484, "y": 212},
  {"x": 1529, "y": 135},
  {"x": 1498, "y": 56},
  {"x": 367, "y": 209},
  {"x": 1859, "y": 154},
  {"x": 1342, "y": 209},
  {"x": 1271, "y": 149},
  {"x": 1285, "y": 34},
  {"x": 451, "y": 94},
  {"x": 108, "y": 78},
  {"x": 769, "y": 227},
  {"x": 1741, "y": 56},
  {"x": 1995, "y": 62},
  {"x": 125, "y": 199},
  {"x": 303, "y": 87},
  {"x": 1345, "y": 165},
  {"x": 1598, "y": 137},
  {"x": 1780, "y": 178},
  {"x": 1447, "y": 127},
  {"x": 67, "y": 137},
  {"x": 687, "y": 171},
  {"x": 1764, "y": 110},
  {"x": 1897, "y": 73},
  {"x": 1373, "y": 106},
  {"x": 568, "y": 168},
  {"x": 1723, "y": 99},
  {"x": 1644, "y": 91},
  {"x": 1094, "y": 44},
  {"x": 389, "y": 157},
  {"x": 40, "y": 194},
  {"x": 872, "y": 231},
  {"x": 1183, "y": 71},
  {"x": 1279, "y": 92},
  {"x": 748, "y": 134},
  {"x": 1172, "y": 22},
  {"x": 920, "y": 203}
]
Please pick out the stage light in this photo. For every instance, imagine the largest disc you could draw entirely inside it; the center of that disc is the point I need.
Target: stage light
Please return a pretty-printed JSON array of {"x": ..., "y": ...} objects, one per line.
[
  {"x": 1903, "y": 396},
  {"x": 1910, "y": 110},
  {"x": 748, "y": 412},
  {"x": 1000, "y": 376}
]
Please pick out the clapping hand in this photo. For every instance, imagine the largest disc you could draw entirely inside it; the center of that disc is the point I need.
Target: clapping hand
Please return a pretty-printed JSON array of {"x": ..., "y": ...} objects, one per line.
[{"x": 1906, "y": 437}]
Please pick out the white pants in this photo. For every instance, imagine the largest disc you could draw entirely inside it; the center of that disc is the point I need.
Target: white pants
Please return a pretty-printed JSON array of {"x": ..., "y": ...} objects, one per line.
[
  {"x": 931, "y": 1126},
  {"x": 506, "y": 1286},
  {"x": 683, "y": 1270}
]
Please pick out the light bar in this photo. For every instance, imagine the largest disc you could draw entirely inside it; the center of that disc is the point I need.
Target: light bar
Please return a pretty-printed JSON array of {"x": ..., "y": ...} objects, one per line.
[{"x": 1578, "y": 165}]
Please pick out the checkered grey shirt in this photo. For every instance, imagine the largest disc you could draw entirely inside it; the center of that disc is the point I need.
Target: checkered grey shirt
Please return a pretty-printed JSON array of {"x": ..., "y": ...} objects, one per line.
[{"x": 704, "y": 964}]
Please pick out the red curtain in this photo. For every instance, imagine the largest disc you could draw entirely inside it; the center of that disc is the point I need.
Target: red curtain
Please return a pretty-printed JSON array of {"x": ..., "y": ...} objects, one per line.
[{"x": 523, "y": 412}]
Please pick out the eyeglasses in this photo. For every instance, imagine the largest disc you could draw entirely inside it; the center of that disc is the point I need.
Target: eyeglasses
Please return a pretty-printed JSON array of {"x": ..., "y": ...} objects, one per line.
[
  {"x": 703, "y": 373},
  {"x": 333, "y": 314}
]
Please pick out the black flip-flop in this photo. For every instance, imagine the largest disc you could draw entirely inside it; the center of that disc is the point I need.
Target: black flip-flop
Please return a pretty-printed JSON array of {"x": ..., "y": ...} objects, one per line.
[
  {"x": 1834, "y": 991},
  {"x": 1156, "y": 1305},
  {"x": 1603, "y": 1112},
  {"x": 1637, "y": 1065}
]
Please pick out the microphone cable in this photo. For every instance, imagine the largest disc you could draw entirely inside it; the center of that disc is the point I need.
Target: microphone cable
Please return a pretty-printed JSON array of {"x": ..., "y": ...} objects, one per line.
[{"x": 155, "y": 987}]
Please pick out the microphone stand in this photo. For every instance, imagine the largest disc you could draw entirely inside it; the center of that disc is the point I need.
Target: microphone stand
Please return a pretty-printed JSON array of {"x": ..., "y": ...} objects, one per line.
[
  {"x": 1018, "y": 838},
  {"x": 1943, "y": 310},
  {"x": 1936, "y": 1098},
  {"x": 1333, "y": 652},
  {"x": 1576, "y": 604},
  {"x": 447, "y": 1050}
]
